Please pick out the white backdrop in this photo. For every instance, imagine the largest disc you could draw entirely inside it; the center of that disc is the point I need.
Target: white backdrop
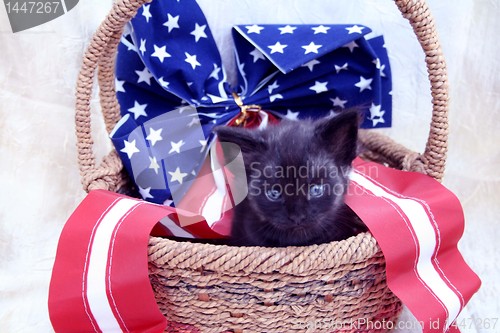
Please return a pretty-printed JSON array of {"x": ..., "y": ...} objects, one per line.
[{"x": 39, "y": 177}]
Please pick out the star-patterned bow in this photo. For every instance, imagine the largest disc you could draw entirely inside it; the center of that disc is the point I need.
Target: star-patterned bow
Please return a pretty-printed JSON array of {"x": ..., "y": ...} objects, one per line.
[{"x": 173, "y": 90}]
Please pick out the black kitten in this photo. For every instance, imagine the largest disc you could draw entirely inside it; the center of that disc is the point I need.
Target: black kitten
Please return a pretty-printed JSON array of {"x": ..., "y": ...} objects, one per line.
[{"x": 297, "y": 177}]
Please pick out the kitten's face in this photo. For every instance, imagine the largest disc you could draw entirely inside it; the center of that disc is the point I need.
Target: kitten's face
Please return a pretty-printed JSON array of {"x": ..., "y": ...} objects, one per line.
[{"x": 296, "y": 201}]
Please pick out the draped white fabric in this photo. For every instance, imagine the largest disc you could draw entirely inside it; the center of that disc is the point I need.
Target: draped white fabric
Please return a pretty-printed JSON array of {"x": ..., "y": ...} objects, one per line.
[{"x": 40, "y": 184}]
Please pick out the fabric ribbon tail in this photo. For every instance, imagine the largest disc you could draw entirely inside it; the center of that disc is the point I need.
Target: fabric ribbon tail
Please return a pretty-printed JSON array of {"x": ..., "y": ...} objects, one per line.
[
  {"x": 100, "y": 277},
  {"x": 417, "y": 222}
]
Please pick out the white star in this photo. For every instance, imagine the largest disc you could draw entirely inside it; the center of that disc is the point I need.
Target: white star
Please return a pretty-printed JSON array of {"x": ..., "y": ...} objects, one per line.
[
  {"x": 257, "y": 55},
  {"x": 163, "y": 83},
  {"x": 254, "y": 29},
  {"x": 146, "y": 13},
  {"x": 176, "y": 146},
  {"x": 160, "y": 53},
  {"x": 144, "y": 76},
  {"x": 364, "y": 84},
  {"x": 287, "y": 30},
  {"x": 154, "y": 135},
  {"x": 215, "y": 99},
  {"x": 272, "y": 86},
  {"x": 119, "y": 85},
  {"x": 194, "y": 121},
  {"x": 338, "y": 102},
  {"x": 138, "y": 110},
  {"x": 145, "y": 192},
  {"x": 274, "y": 97},
  {"x": 311, "y": 48},
  {"x": 191, "y": 59},
  {"x": 375, "y": 110},
  {"x": 311, "y": 64},
  {"x": 215, "y": 72},
  {"x": 376, "y": 114},
  {"x": 278, "y": 47},
  {"x": 319, "y": 87},
  {"x": 351, "y": 46},
  {"x": 355, "y": 29},
  {"x": 130, "y": 148},
  {"x": 320, "y": 29},
  {"x": 203, "y": 144},
  {"x": 142, "y": 47},
  {"x": 154, "y": 164},
  {"x": 340, "y": 68},
  {"x": 382, "y": 67},
  {"x": 177, "y": 175},
  {"x": 199, "y": 32},
  {"x": 292, "y": 115},
  {"x": 172, "y": 22}
]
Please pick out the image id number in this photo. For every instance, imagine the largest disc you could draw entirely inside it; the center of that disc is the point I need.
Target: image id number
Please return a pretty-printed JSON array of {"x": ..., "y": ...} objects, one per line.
[
  {"x": 479, "y": 323},
  {"x": 33, "y": 7}
]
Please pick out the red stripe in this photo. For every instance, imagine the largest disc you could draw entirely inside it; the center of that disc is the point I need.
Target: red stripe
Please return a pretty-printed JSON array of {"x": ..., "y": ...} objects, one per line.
[
  {"x": 223, "y": 226},
  {"x": 160, "y": 230},
  {"x": 66, "y": 305},
  {"x": 130, "y": 293},
  {"x": 397, "y": 240}
]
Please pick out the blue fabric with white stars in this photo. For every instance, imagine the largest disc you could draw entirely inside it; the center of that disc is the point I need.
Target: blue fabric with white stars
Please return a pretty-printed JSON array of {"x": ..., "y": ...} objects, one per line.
[{"x": 168, "y": 59}]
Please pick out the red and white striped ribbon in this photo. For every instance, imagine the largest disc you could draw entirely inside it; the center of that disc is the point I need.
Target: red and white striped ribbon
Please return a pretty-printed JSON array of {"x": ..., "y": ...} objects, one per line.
[
  {"x": 417, "y": 222},
  {"x": 100, "y": 278}
]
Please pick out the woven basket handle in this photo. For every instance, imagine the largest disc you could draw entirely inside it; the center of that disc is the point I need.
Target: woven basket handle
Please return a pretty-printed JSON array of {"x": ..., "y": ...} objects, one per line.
[{"x": 102, "y": 51}]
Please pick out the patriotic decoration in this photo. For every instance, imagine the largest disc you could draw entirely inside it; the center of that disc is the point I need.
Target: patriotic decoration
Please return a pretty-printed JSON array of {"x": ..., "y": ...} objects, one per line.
[
  {"x": 417, "y": 222},
  {"x": 173, "y": 90},
  {"x": 100, "y": 281}
]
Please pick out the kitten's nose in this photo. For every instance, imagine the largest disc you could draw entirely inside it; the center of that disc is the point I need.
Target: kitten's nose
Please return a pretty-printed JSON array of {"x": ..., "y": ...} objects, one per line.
[{"x": 297, "y": 219}]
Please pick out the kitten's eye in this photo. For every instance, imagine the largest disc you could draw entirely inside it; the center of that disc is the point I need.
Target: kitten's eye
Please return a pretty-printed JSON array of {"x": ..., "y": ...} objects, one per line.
[
  {"x": 273, "y": 194},
  {"x": 316, "y": 191}
]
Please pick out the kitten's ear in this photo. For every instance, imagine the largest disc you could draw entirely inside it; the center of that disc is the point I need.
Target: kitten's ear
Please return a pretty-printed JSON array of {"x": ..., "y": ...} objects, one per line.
[
  {"x": 340, "y": 135},
  {"x": 247, "y": 140}
]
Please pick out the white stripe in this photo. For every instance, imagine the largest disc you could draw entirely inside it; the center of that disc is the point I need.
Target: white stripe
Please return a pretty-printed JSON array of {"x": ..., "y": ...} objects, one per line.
[
  {"x": 426, "y": 237},
  {"x": 174, "y": 228},
  {"x": 212, "y": 209},
  {"x": 96, "y": 273},
  {"x": 264, "y": 120}
]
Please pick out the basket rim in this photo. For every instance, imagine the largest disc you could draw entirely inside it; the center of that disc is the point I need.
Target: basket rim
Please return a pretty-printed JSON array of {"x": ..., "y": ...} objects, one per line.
[{"x": 293, "y": 260}]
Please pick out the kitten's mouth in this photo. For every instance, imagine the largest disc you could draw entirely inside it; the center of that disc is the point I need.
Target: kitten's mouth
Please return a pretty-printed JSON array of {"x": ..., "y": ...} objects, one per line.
[{"x": 292, "y": 227}]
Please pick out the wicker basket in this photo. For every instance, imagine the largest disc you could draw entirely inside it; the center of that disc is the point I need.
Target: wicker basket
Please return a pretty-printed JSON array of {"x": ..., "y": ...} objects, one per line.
[{"x": 210, "y": 288}]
